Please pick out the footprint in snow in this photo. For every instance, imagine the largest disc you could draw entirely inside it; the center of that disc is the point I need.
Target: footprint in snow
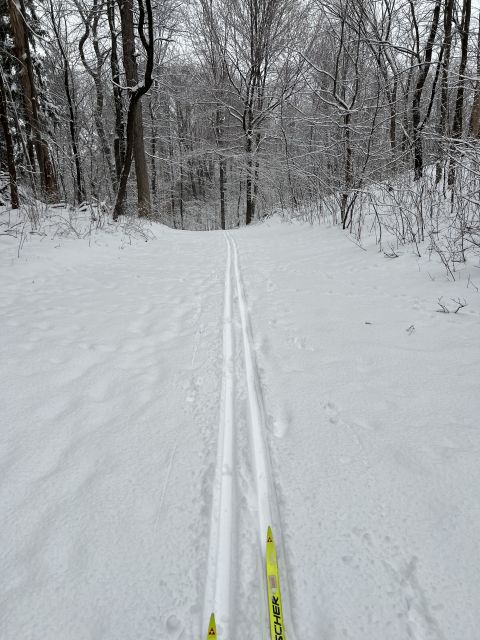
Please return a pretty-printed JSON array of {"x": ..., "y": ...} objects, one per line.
[
  {"x": 332, "y": 412},
  {"x": 174, "y": 628}
]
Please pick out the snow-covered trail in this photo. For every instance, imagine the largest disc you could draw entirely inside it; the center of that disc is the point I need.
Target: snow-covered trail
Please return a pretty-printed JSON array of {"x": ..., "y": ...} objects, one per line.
[
  {"x": 164, "y": 402},
  {"x": 109, "y": 383},
  {"x": 222, "y": 583},
  {"x": 218, "y": 592},
  {"x": 372, "y": 408}
]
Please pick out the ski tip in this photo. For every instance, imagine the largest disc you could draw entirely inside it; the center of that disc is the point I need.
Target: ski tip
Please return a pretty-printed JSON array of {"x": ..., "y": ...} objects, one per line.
[
  {"x": 212, "y": 628},
  {"x": 269, "y": 535}
]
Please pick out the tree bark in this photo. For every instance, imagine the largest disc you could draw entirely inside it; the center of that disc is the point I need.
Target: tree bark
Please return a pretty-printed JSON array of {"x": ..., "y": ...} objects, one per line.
[
  {"x": 91, "y": 24},
  {"x": 443, "y": 124},
  {"x": 348, "y": 171},
  {"x": 222, "y": 165},
  {"x": 153, "y": 153},
  {"x": 457, "y": 126},
  {"x": 72, "y": 123},
  {"x": 30, "y": 99},
  {"x": 417, "y": 94},
  {"x": 475, "y": 115},
  {"x": 250, "y": 194},
  {"x": 131, "y": 75},
  {"x": 135, "y": 96},
  {"x": 12, "y": 171},
  {"x": 119, "y": 140}
]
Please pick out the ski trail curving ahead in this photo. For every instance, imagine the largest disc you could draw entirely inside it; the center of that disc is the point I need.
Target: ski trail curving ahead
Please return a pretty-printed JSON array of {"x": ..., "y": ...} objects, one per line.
[{"x": 218, "y": 591}]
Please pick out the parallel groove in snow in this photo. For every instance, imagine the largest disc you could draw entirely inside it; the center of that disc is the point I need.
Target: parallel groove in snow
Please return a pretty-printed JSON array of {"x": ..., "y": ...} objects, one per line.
[
  {"x": 218, "y": 593},
  {"x": 255, "y": 403},
  {"x": 268, "y": 513}
]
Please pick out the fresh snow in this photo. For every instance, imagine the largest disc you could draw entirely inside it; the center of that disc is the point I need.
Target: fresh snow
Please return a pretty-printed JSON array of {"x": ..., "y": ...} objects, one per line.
[{"x": 164, "y": 401}]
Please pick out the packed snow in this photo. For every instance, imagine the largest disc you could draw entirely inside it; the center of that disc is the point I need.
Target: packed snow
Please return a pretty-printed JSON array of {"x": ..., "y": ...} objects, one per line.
[{"x": 164, "y": 401}]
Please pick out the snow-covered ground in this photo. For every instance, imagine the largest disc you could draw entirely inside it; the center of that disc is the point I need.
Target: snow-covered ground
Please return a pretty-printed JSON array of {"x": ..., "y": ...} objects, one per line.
[{"x": 161, "y": 403}]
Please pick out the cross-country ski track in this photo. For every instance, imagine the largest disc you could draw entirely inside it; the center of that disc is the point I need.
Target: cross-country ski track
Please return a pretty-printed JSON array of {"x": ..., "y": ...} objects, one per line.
[
  {"x": 221, "y": 574},
  {"x": 163, "y": 402}
]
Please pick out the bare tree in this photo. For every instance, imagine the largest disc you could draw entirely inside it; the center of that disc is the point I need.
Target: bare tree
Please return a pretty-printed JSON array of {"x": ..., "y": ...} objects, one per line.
[
  {"x": 56, "y": 14},
  {"x": 457, "y": 126},
  {"x": 131, "y": 76},
  {"x": 136, "y": 93},
  {"x": 475, "y": 115},
  {"x": 18, "y": 18},
  {"x": 91, "y": 23},
  {"x": 424, "y": 63},
  {"x": 119, "y": 140},
  {"x": 12, "y": 170}
]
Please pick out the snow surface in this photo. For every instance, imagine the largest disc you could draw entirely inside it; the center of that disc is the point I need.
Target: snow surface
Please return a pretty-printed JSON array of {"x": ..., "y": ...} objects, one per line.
[{"x": 162, "y": 401}]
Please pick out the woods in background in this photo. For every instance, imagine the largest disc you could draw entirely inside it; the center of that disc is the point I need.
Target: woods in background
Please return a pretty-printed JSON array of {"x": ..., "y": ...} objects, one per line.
[{"x": 210, "y": 114}]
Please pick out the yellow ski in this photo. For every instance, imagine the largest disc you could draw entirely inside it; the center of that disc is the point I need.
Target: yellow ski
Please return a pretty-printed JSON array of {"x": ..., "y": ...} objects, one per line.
[
  {"x": 277, "y": 631},
  {"x": 212, "y": 628}
]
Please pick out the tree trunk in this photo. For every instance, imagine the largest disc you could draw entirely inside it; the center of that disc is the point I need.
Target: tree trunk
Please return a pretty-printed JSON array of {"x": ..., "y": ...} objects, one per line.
[
  {"x": 136, "y": 94},
  {"x": 249, "y": 182},
  {"x": 348, "y": 170},
  {"x": 72, "y": 123},
  {"x": 127, "y": 164},
  {"x": 417, "y": 138},
  {"x": 80, "y": 189},
  {"x": 91, "y": 23},
  {"x": 222, "y": 171},
  {"x": 30, "y": 98},
  {"x": 392, "y": 130},
  {"x": 131, "y": 75},
  {"x": 407, "y": 130},
  {"x": 250, "y": 196},
  {"x": 181, "y": 185},
  {"x": 475, "y": 115},
  {"x": 222, "y": 164},
  {"x": 153, "y": 153},
  {"x": 119, "y": 141},
  {"x": 457, "y": 126},
  {"x": 417, "y": 94},
  {"x": 443, "y": 123},
  {"x": 12, "y": 172}
]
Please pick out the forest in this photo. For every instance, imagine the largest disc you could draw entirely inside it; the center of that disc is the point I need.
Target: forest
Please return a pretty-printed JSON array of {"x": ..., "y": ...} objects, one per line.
[
  {"x": 207, "y": 114},
  {"x": 240, "y": 311}
]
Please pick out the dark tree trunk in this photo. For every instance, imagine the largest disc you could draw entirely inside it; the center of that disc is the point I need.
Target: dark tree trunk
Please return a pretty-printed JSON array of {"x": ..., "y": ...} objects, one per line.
[
  {"x": 392, "y": 130},
  {"x": 12, "y": 172},
  {"x": 348, "y": 171},
  {"x": 135, "y": 97},
  {"x": 80, "y": 189},
  {"x": 417, "y": 94},
  {"x": 222, "y": 169},
  {"x": 407, "y": 130},
  {"x": 443, "y": 124},
  {"x": 250, "y": 196},
  {"x": 222, "y": 164},
  {"x": 119, "y": 141},
  {"x": 475, "y": 115},
  {"x": 249, "y": 182},
  {"x": 181, "y": 185},
  {"x": 131, "y": 75},
  {"x": 457, "y": 126},
  {"x": 30, "y": 98},
  {"x": 91, "y": 24},
  {"x": 153, "y": 153},
  {"x": 72, "y": 122}
]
